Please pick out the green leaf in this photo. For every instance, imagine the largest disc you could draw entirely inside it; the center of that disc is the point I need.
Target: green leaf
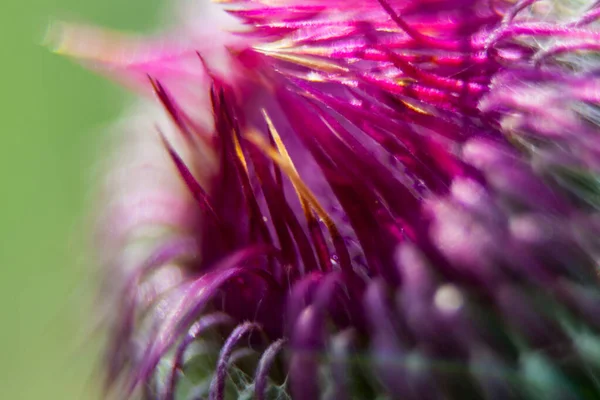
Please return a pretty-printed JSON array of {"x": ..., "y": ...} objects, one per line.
[{"x": 583, "y": 184}]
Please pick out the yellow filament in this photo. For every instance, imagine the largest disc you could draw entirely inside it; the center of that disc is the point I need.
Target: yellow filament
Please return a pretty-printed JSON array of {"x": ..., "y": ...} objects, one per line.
[
  {"x": 239, "y": 152},
  {"x": 308, "y": 62},
  {"x": 90, "y": 43},
  {"x": 414, "y": 107},
  {"x": 288, "y": 168},
  {"x": 285, "y": 155}
]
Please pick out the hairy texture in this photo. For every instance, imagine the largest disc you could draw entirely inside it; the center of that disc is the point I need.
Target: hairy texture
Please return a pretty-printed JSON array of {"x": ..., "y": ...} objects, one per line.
[{"x": 391, "y": 199}]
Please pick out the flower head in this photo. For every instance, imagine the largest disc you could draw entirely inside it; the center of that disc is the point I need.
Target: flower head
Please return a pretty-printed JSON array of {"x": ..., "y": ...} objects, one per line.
[{"x": 364, "y": 199}]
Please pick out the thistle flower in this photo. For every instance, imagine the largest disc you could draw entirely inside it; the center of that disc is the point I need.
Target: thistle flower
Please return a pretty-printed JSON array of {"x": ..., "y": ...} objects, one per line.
[{"x": 358, "y": 199}]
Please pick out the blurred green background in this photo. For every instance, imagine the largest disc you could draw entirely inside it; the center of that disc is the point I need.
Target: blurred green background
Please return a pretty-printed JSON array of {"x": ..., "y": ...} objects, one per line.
[{"x": 53, "y": 113}]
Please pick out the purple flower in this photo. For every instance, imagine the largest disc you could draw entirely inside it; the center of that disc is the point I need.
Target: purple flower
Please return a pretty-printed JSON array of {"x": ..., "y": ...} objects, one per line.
[{"x": 354, "y": 200}]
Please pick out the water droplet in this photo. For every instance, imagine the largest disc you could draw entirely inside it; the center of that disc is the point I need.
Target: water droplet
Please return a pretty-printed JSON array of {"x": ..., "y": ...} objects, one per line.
[{"x": 448, "y": 298}]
